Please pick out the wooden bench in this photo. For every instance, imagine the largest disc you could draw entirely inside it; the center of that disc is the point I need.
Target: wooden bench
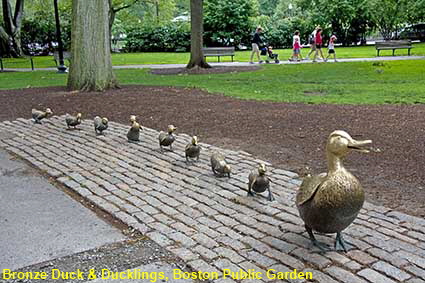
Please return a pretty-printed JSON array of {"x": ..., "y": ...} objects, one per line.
[
  {"x": 66, "y": 56},
  {"x": 393, "y": 45},
  {"x": 219, "y": 51},
  {"x": 15, "y": 61}
]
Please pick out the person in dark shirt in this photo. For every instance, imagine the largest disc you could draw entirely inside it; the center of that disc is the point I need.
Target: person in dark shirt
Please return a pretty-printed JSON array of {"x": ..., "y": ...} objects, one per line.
[{"x": 256, "y": 42}]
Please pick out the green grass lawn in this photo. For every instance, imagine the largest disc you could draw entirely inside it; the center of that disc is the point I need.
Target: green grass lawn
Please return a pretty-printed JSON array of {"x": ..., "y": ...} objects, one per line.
[
  {"x": 343, "y": 83},
  {"x": 182, "y": 58}
]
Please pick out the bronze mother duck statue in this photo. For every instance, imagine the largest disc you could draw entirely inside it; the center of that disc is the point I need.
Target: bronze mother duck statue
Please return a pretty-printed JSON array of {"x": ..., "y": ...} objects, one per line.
[{"x": 329, "y": 202}]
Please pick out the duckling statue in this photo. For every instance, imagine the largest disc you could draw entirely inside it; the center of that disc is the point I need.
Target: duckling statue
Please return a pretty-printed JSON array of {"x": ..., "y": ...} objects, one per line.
[
  {"x": 193, "y": 149},
  {"x": 38, "y": 115},
  {"x": 329, "y": 202},
  {"x": 100, "y": 124},
  {"x": 133, "y": 134},
  {"x": 167, "y": 139},
  {"x": 259, "y": 182},
  {"x": 219, "y": 166},
  {"x": 72, "y": 121}
]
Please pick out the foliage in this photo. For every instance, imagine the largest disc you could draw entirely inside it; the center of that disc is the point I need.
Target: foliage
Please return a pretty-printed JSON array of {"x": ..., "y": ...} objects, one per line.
[
  {"x": 389, "y": 15},
  {"x": 268, "y": 7},
  {"x": 349, "y": 20},
  {"x": 229, "y": 23},
  {"x": 166, "y": 38},
  {"x": 40, "y": 30}
]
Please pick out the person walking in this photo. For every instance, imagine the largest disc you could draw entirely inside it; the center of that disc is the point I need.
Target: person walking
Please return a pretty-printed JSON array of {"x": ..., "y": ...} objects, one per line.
[
  {"x": 331, "y": 48},
  {"x": 256, "y": 43},
  {"x": 296, "y": 47},
  {"x": 318, "y": 42},
  {"x": 311, "y": 41}
]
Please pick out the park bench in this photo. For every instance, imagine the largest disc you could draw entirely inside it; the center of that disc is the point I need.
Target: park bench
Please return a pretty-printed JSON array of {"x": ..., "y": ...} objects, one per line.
[
  {"x": 219, "y": 51},
  {"x": 66, "y": 56},
  {"x": 393, "y": 45},
  {"x": 3, "y": 61}
]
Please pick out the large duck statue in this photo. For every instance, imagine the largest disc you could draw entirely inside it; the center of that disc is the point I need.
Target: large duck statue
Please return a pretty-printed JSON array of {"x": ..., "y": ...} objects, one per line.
[{"x": 329, "y": 202}]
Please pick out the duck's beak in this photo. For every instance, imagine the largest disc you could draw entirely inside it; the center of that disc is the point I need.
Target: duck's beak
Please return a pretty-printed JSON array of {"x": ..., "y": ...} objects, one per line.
[{"x": 359, "y": 145}]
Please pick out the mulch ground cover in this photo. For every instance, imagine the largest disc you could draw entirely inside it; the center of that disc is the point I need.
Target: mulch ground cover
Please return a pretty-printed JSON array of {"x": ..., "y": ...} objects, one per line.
[{"x": 292, "y": 136}]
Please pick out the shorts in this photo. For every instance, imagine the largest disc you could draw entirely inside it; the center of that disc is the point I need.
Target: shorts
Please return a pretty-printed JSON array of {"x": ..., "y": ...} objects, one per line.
[
  {"x": 313, "y": 46},
  {"x": 255, "y": 47},
  {"x": 297, "y": 51},
  {"x": 331, "y": 51},
  {"x": 319, "y": 46}
]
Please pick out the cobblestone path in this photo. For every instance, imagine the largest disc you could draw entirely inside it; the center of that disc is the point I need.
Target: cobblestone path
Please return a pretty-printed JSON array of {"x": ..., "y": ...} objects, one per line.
[{"x": 209, "y": 222}]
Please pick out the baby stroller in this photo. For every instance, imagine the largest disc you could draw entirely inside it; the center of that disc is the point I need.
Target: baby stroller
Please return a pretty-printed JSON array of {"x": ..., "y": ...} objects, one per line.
[{"x": 267, "y": 51}]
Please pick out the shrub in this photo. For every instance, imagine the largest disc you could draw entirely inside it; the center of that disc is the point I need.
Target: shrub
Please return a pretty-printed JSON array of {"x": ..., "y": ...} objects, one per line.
[{"x": 167, "y": 38}]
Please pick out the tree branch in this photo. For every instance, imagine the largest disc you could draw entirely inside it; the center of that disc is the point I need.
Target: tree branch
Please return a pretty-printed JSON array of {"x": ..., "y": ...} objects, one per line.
[
  {"x": 115, "y": 10},
  {"x": 3, "y": 34},
  {"x": 19, "y": 13}
]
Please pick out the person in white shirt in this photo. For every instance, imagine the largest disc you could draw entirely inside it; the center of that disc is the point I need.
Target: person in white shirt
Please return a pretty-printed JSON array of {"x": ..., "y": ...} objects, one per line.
[{"x": 331, "y": 48}]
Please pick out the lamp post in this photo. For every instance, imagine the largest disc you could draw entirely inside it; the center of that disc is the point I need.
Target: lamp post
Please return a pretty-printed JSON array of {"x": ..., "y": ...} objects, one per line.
[{"x": 61, "y": 68}]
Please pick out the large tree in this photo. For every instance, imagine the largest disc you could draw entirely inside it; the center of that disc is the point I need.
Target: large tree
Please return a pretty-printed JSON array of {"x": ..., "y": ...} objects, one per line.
[
  {"x": 10, "y": 32},
  {"x": 197, "y": 58},
  {"x": 390, "y": 15},
  {"x": 91, "y": 64}
]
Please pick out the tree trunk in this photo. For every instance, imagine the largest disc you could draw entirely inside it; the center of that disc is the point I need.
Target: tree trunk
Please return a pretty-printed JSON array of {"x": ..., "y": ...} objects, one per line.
[
  {"x": 197, "y": 58},
  {"x": 91, "y": 64},
  {"x": 111, "y": 21},
  {"x": 10, "y": 35}
]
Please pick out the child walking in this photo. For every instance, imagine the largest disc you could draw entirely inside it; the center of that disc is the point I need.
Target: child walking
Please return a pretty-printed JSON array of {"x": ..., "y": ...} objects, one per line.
[
  {"x": 331, "y": 48},
  {"x": 296, "y": 44}
]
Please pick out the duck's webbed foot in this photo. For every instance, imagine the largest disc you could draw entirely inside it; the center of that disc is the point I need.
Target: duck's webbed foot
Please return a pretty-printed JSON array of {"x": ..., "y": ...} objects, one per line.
[
  {"x": 340, "y": 244},
  {"x": 321, "y": 246},
  {"x": 270, "y": 197}
]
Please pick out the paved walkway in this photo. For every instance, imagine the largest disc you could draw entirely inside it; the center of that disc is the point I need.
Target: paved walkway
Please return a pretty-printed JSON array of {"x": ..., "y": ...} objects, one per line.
[
  {"x": 35, "y": 222},
  {"x": 239, "y": 64},
  {"x": 209, "y": 222}
]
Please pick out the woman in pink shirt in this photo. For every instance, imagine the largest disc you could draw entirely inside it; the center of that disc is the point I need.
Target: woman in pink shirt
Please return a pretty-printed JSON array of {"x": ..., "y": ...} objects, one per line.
[{"x": 319, "y": 41}]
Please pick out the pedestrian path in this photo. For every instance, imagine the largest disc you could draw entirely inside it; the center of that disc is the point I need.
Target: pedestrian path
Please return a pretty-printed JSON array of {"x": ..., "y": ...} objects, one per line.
[
  {"x": 210, "y": 222},
  {"x": 35, "y": 219},
  {"x": 239, "y": 64}
]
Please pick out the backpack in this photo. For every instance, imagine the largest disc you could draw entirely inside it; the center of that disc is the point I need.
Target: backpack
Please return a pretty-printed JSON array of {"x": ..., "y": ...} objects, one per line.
[{"x": 311, "y": 39}]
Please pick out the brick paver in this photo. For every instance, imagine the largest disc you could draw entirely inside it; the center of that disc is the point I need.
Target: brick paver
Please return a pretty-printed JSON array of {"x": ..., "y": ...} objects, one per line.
[{"x": 210, "y": 222}]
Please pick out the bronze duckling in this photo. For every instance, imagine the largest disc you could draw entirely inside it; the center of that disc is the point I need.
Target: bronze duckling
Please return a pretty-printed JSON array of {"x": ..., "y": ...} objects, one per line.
[
  {"x": 329, "y": 202},
  {"x": 72, "y": 121},
  {"x": 133, "y": 118},
  {"x": 219, "y": 166},
  {"x": 100, "y": 124},
  {"x": 258, "y": 182},
  {"x": 133, "y": 134},
  {"x": 167, "y": 139},
  {"x": 193, "y": 149},
  {"x": 38, "y": 115}
]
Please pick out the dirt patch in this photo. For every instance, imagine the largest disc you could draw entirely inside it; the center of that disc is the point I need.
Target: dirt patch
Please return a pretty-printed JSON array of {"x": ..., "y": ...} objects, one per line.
[
  {"x": 196, "y": 71},
  {"x": 292, "y": 136}
]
